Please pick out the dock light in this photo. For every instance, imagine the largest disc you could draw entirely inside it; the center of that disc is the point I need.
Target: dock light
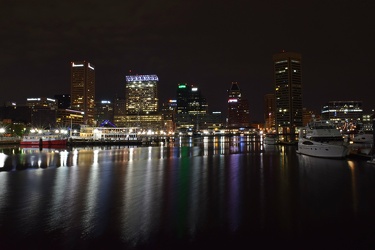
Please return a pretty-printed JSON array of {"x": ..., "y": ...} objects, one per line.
[
  {"x": 32, "y": 131},
  {"x": 2, "y": 130},
  {"x": 57, "y": 131}
]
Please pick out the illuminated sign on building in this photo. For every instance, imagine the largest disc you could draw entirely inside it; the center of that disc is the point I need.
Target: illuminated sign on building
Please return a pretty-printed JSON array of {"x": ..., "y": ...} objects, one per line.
[
  {"x": 142, "y": 78},
  {"x": 77, "y": 65}
]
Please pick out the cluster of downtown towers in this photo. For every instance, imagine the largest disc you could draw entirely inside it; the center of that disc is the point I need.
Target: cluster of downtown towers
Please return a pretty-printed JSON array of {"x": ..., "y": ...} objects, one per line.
[{"x": 188, "y": 111}]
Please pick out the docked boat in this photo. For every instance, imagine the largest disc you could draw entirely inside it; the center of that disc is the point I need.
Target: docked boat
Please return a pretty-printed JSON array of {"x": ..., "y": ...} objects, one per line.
[
  {"x": 271, "y": 139},
  {"x": 43, "y": 140},
  {"x": 361, "y": 144},
  {"x": 321, "y": 139},
  {"x": 363, "y": 137},
  {"x": 105, "y": 135}
]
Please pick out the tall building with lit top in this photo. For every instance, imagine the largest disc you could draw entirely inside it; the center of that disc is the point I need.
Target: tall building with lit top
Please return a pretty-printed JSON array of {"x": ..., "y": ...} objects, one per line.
[
  {"x": 82, "y": 90},
  {"x": 141, "y": 94},
  {"x": 191, "y": 107},
  {"x": 238, "y": 108},
  {"x": 141, "y": 103},
  {"x": 288, "y": 92}
]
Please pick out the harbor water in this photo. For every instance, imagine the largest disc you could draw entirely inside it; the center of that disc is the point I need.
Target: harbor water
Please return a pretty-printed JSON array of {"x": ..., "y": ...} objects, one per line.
[{"x": 194, "y": 193}]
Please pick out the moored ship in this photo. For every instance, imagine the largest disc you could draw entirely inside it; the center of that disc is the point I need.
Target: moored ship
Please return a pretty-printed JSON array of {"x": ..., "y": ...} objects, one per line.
[
  {"x": 321, "y": 139},
  {"x": 43, "y": 140}
]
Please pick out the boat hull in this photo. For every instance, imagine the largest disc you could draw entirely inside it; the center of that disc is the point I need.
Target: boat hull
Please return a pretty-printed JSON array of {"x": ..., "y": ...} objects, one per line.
[
  {"x": 44, "y": 143},
  {"x": 324, "y": 150}
]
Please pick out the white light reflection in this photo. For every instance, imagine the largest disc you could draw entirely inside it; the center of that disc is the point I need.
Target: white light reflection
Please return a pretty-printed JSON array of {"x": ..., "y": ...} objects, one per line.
[
  {"x": 222, "y": 145},
  {"x": 75, "y": 157},
  {"x": 354, "y": 186},
  {"x": 92, "y": 196},
  {"x": 149, "y": 153},
  {"x": 3, "y": 157},
  {"x": 131, "y": 152},
  {"x": 96, "y": 156},
  {"x": 63, "y": 158},
  {"x": 161, "y": 152}
]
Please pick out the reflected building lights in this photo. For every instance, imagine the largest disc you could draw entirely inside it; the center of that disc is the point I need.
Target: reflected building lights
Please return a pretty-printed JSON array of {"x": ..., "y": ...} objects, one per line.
[
  {"x": 96, "y": 156},
  {"x": 351, "y": 165},
  {"x": 75, "y": 158},
  {"x": 63, "y": 158}
]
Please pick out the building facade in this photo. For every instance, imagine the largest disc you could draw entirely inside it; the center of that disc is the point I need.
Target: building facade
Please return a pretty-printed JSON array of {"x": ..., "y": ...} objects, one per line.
[
  {"x": 288, "y": 92},
  {"x": 141, "y": 103},
  {"x": 346, "y": 115},
  {"x": 104, "y": 113},
  {"x": 43, "y": 112},
  {"x": 238, "y": 108},
  {"x": 63, "y": 101},
  {"x": 269, "y": 112},
  {"x": 141, "y": 94},
  {"x": 83, "y": 90},
  {"x": 191, "y": 109}
]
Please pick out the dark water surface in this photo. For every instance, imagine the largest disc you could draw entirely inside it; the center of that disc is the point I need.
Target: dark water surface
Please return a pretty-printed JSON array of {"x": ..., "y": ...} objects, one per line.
[{"x": 200, "y": 193}]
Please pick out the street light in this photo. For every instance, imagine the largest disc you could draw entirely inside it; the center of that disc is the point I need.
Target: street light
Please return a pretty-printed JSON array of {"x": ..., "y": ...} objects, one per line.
[{"x": 2, "y": 131}]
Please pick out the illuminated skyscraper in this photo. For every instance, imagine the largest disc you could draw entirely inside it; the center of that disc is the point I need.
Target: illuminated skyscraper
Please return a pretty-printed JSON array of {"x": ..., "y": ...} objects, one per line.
[
  {"x": 238, "y": 108},
  {"x": 288, "y": 92},
  {"x": 83, "y": 89},
  {"x": 141, "y": 108},
  {"x": 141, "y": 94}
]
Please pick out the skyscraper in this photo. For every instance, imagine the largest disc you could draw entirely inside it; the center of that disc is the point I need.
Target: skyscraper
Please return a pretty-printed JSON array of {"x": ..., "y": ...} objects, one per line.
[
  {"x": 288, "y": 92},
  {"x": 192, "y": 107},
  {"x": 141, "y": 94},
  {"x": 141, "y": 103},
  {"x": 238, "y": 108},
  {"x": 83, "y": 89}
]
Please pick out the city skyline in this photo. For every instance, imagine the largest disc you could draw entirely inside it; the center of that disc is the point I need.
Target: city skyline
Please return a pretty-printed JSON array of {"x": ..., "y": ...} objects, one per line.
[{"x": 210, "y": 44}]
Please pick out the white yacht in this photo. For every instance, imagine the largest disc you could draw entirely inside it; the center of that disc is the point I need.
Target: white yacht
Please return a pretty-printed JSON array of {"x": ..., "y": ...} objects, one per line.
[
  {"x": 321, "y": 139},
  {"x": 361, "y": 144},
  {"x": 363, "y": 137}
]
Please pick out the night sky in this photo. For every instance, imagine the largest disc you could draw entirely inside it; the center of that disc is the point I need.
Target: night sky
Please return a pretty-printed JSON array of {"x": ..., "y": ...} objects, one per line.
[{"x": 206, "y": 43}]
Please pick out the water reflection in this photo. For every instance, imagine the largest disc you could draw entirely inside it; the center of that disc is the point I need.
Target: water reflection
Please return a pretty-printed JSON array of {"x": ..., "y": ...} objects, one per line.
[{"x": 146, "y": 196}]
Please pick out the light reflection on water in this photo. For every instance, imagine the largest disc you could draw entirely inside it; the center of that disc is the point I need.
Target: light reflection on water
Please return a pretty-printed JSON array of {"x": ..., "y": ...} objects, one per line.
[{"x": 182, "y": 193}]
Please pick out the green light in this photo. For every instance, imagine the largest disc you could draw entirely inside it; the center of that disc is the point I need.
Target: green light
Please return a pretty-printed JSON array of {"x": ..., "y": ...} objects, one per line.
[{"x": 182, "y": 86}]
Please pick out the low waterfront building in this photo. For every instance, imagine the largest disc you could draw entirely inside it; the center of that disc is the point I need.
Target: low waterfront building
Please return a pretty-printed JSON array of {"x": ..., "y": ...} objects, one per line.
[{"x": 344, "y": 114}]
